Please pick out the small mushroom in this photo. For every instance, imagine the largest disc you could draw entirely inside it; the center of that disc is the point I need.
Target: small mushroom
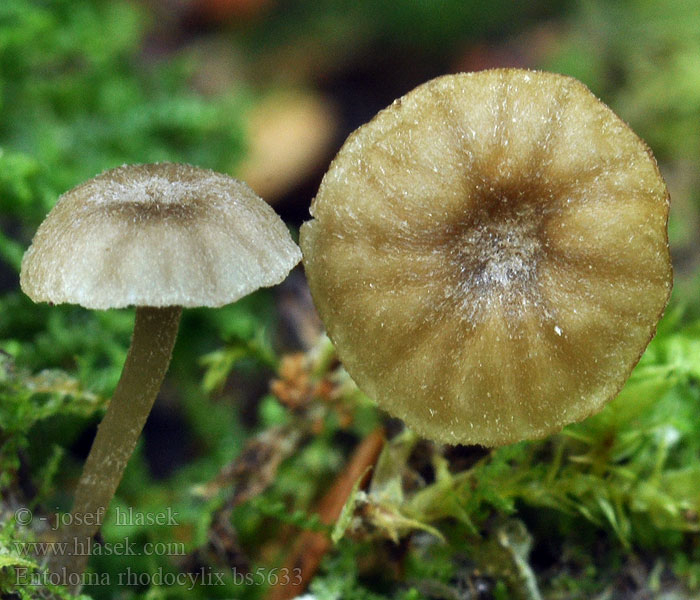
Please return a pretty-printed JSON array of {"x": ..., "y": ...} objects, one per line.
[
  {"x": 158, "y": 237},
  {"x": 490, "y": 255}
]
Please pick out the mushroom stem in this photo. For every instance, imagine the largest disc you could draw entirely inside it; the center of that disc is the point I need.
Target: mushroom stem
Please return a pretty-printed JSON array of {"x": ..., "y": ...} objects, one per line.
[{"x": 155, "y": 330}]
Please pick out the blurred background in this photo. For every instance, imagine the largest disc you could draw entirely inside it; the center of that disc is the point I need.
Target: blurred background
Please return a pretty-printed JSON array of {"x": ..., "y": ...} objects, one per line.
[{"x": 267, "y": 91}]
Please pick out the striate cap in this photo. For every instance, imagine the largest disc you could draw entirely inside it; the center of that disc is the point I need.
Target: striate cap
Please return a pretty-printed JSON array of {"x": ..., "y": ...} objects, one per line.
[
  {"x": 157, "y": 235},
  {"x": 490, "y": 255}
]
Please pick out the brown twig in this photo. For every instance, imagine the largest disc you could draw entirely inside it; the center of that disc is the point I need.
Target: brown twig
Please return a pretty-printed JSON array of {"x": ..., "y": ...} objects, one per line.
[{"x": 312, "y": 545}]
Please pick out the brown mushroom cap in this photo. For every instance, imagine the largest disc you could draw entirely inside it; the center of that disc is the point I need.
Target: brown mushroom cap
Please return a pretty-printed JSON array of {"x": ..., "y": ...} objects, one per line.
[
  {"x": 490, "y": 255},
  {"x": 157, "y": 235}
]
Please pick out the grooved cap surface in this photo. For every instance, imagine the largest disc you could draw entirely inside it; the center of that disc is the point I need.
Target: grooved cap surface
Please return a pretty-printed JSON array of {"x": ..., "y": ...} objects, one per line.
[
  {"x": 490, "y": 255},
  {"x": 163, "y": 234}
]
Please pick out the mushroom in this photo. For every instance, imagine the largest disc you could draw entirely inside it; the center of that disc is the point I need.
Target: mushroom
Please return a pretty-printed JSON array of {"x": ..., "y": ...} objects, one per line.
[
  {"x": 490, "y": 255},
  {"x": 158, "y": 237}
]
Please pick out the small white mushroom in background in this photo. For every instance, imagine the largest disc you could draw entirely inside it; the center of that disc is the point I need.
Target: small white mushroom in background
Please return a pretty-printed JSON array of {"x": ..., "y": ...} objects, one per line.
[
  {"x": 158, "y": 237},
  {"x": 490, "y": 255}
]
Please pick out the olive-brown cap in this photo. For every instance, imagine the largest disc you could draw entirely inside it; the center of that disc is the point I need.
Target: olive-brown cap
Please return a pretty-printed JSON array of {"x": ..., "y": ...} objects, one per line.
[
  {"x": 490, "y": 255},
  {"x": 162, "y": 234}
]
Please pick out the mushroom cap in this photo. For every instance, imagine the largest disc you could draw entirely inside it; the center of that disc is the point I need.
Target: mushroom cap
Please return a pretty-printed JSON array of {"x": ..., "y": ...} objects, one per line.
[
  {"x": 162, "y": 234},
  {"x": 490, "y": 255}
]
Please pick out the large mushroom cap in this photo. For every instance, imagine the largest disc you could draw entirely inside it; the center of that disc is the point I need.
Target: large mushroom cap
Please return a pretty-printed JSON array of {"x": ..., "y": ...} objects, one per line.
[
  {"x": 490, "y": 255},
  {"x": 157, "y": 235}
]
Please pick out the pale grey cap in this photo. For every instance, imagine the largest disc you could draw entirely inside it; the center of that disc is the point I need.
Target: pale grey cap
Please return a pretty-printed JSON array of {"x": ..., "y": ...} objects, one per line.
[{"x": 162, "y": 234}]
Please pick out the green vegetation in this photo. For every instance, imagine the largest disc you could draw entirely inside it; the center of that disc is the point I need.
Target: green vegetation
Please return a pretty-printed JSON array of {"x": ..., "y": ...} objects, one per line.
[{"x": 606, "y": 509}]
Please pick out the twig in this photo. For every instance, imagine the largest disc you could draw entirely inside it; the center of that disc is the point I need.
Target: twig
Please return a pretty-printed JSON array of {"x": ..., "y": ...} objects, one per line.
[{"x": 312, "y": 545}]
